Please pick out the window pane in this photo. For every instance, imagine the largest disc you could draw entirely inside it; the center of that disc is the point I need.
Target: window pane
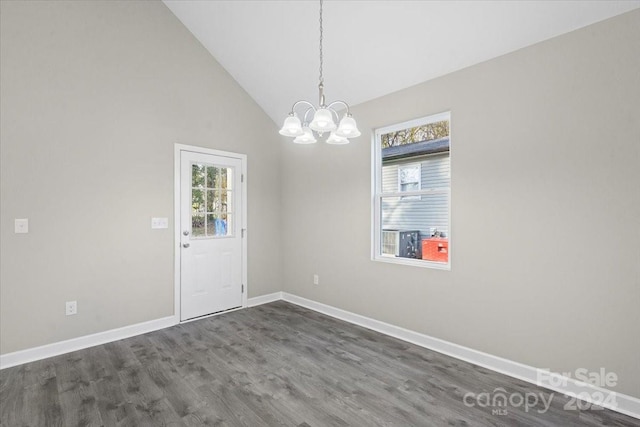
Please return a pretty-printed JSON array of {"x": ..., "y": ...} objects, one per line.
[
  {"x": 426, "y": 132},
  {"x": 218, "y": 225},
  {"x": 211, "y": 224},
  {"x": 197, "y": 200},
  {"x": 197, "y": 225},
  {"x": 227, "y": 218},
  {"x": 389, "y": 178},
  {"x": 409, "y": 174},
  {"x": 222, "y": 179},
  {"x": 229, "y": 179},
  {"x": 426, "y": 214},
  {"x": 226, "y": 201},
  {"x": 414, "y": 221},
  {"x": 412, "y": 186},
  {"x": 212, "y": 173},
  {"x": 197, "y": 175},
  {"x": 211, "y": 205},
  {"x": 217, "y": 203}
]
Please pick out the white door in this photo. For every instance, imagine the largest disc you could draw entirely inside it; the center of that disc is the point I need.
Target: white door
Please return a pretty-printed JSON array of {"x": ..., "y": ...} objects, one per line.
[{"x": 210, "y": 234}]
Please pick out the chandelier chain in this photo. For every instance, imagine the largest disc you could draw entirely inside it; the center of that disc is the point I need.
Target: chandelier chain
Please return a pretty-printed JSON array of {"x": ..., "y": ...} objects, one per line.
[
  {"x": 324, "y": 116},
  {"x": 321, "y": 78}
]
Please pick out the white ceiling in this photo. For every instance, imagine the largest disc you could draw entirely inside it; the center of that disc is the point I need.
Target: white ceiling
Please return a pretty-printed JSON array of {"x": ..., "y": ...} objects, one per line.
[{"x": 371, "y": 48}]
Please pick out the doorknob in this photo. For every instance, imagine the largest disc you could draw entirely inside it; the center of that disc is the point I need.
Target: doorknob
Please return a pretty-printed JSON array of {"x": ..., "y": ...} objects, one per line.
[
  {"x": 185, "y": 232},
  {"x": 185, "y": 245}
]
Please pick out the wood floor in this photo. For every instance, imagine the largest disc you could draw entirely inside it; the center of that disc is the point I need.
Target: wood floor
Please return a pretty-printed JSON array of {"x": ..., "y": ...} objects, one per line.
[{"x": 272, "y": 365}]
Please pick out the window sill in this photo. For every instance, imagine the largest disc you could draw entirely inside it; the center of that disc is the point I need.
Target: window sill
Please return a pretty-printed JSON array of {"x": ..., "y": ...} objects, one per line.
[{"x": 413, "y": 262}]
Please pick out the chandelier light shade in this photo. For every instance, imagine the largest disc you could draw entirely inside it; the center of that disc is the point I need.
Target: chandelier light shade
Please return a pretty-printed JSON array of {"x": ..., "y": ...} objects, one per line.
[
  {"x": 322, "y": 121},
  {"x": 292, "y": 126},
  {"x": 348, "y": 127},
  {"x": 306, "y": 137},
  {"x": 336, "y": 140},
  {"x": 323, "y": 117}
]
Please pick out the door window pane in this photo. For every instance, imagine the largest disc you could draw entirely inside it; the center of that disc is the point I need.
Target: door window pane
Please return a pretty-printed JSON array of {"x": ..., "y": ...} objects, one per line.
[
  {"x": 225, "y": 201},
  {"x": 197, "y": 176},
  {"x": 218, "y": 225},
  {"x": 197, "y": 225},
  {"x": 197, "y": 202},
  {"x": 211, "y": 224},
  {"x": 228, "y": 225},
  {"x": 211, "y": 204},
  {"x": 229, "y": 179},
  {"x": 211, "y": 201},
  {"x": 212, "y": 173},
  {"x": 222, "y": 182}
]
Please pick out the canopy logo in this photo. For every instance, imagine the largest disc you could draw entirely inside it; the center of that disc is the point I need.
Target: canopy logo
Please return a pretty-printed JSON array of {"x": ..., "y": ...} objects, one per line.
[
  {"x": 592, "y": 397},
  {"x": 499, "y": 400}
]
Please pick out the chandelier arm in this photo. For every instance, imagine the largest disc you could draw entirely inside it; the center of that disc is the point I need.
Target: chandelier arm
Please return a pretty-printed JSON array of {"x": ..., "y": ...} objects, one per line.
[
  {"x": 340, "y": 102},
  {"x": 307, "y": 112},
  {"x": 302, "y": 101}
]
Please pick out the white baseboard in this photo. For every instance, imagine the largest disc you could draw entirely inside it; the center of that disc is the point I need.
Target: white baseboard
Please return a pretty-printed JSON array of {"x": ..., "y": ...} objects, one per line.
[
  {"x": 264, "y": 299},
  {"x": 622, "y": 403},
  {"x": 55, "y": 349}
]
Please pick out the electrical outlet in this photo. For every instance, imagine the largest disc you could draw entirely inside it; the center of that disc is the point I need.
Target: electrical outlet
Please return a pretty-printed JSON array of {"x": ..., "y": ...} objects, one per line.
[
  {"x": 71, "y": 308},
  {"x": 21, "y": 225},
  {"x": 316, "y": 279}
]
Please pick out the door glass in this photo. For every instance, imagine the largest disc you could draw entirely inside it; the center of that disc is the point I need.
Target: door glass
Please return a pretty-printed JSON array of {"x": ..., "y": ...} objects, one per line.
[
  {"x": 197, "y": 201},
  {"x": 225, "y": 201},
  {"x": 222, "y": 180},
  {"x": 212, "y": 206},
  {"x": 212, "y": 176},
  {"x": 227, "y": 220},
  {"x": 197, "y": 225},
  {"x": 197, "y": 176},
  {"x": 211, "y": 200}
]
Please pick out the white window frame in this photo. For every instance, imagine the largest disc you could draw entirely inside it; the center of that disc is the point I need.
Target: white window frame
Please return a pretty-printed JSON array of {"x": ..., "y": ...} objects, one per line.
[{"x": 377, "y": 194}]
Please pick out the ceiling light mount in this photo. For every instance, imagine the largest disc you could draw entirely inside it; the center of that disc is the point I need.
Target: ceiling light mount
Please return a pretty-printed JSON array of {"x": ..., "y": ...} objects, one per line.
[{"x": 322, "y": 120}]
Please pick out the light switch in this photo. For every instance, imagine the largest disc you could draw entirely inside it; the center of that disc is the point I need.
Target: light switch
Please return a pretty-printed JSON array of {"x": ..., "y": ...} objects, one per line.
[
  {"x": 22, "y": 225},
  {"x": 159, "y": 222}
]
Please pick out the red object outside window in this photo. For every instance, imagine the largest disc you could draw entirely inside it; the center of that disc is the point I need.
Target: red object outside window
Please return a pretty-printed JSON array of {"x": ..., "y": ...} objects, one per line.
[{"x": 435, "y": 249}]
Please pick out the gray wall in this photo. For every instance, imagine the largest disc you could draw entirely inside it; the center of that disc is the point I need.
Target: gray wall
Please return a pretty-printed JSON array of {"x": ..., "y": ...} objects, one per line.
[
  {"x": 94, "y": 95},
  {"x": 545, "y": 163}
]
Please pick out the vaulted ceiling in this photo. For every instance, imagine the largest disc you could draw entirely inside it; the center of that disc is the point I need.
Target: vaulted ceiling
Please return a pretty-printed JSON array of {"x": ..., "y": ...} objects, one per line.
[{"x": 371, "y": 48}]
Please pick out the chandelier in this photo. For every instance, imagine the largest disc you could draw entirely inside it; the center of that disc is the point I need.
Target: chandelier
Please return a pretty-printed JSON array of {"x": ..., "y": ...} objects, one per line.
[{"x": 322, "y": 118}]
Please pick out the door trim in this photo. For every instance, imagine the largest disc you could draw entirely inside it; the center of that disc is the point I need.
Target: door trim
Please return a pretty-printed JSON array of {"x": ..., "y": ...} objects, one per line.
[{"x": 178, "y": 148}]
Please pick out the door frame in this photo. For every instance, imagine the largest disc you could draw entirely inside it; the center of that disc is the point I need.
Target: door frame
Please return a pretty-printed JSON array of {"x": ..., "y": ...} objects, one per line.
[{"x": 178, "y": 149}]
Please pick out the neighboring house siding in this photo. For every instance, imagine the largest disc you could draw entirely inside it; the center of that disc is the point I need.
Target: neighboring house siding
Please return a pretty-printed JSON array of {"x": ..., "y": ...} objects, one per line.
[{"x": 430, "y": 211}]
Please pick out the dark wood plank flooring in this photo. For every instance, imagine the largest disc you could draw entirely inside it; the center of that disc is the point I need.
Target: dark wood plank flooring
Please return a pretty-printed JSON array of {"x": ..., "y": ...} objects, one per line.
[{"x": 272, "y": 365}]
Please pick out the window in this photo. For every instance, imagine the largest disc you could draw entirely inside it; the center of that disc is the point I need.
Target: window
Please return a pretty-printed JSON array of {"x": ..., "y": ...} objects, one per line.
[
  {"x": 409, "y": 179},
  {"x": 412, "y": 188},
  {"x": 211, "y": 196}
]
